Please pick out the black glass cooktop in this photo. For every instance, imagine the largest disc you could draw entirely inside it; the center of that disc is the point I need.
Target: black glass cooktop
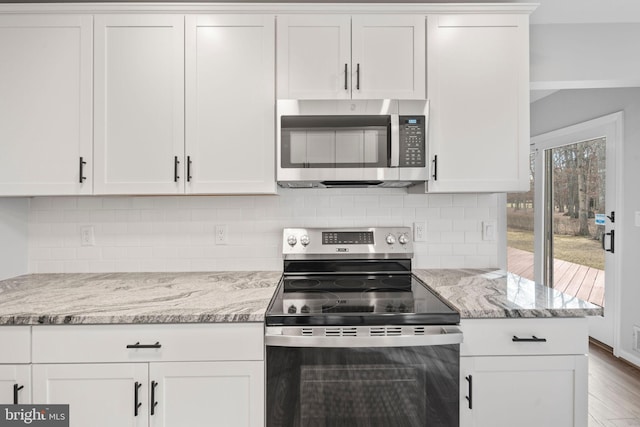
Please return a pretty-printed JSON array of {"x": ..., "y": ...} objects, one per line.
[{"x": 346, "y": 300}]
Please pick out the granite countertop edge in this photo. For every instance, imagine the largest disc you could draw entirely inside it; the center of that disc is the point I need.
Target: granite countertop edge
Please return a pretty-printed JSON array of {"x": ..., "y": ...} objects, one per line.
[
  {"x": 243, "y": 296},
  {"x": 136, "y": 298},
  {"x": 490, "y": 293}
]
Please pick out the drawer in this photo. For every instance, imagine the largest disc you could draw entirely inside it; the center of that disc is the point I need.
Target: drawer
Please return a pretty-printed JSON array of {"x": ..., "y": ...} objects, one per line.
[
  {"x": 16, "y": 344},
  {"x": 496, "y": 337},
  {"x": 148, "y": 343}
]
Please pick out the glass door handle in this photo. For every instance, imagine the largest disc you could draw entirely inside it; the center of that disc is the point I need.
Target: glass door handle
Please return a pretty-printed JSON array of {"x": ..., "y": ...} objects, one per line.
[{"x": 612, "y": 248}]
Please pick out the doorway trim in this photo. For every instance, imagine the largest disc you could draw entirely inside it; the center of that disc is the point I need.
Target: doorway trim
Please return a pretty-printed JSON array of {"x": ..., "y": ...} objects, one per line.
[{"x": 610, "y": 126}]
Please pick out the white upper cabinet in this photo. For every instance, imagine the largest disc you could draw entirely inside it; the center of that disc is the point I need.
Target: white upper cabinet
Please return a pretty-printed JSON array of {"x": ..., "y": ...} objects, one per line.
[
  {"x": 139, "y": 104},
  {"x": 314, "y": 57},
  {"x": 478, "y": 84},
  {"x": 45, "y": 104},
  {"x": 230, "y": 104},
  {"x": 388, "y": 57},
  {"x": 344, "y": 57}
]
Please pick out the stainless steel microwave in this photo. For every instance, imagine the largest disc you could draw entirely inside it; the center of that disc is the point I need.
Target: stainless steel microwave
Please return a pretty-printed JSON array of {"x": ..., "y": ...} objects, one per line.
[{"x": 352, "y": 143}]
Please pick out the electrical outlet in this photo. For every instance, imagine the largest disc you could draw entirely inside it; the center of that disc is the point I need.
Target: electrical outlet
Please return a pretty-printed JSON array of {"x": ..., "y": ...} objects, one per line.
[
  {"x": 87, "y": 237},
  {"x": 637, "y": 219},
  {"x": 419, "y": 232},
  {"x": 222, "y": 233},
  {"x": 488, "y": 230},
  {"x": 636, "y": 338}
]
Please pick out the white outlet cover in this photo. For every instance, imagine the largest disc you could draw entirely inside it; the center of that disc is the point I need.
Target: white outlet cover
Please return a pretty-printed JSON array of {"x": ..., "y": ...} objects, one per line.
[
  {"x": 489, "y": 230},
  {"x": 637, "y": 219},
  {"x": 419, "y": 232}
]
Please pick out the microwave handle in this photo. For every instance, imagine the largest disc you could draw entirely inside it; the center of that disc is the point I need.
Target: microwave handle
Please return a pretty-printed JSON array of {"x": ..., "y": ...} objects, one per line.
[{"x": 395, "y": 141}]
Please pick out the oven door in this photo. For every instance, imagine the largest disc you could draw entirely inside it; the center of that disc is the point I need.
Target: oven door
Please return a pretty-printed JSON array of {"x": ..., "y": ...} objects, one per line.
[{"x": 354, "y": 383}]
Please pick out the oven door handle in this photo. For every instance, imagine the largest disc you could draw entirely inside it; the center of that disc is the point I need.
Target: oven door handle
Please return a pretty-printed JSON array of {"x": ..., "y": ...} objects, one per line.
[{"x": 445, "y": 336}]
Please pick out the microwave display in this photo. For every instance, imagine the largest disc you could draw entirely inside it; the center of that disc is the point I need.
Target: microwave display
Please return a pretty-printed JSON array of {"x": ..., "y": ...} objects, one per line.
[{"x": 412, "y": 141}]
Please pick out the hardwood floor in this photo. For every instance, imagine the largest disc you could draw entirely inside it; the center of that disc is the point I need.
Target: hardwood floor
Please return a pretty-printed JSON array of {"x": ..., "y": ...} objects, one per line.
[{"x": 614, "y": 390}]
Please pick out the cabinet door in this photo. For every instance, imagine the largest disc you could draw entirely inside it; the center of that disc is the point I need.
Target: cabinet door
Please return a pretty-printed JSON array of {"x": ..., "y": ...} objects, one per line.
[
  {"x": 230, "y": 82},
  {"x": 478, "y": 84},
  {"x": 139, "y": 104},
  {"x": 15, "y": 384},
  {"x": 208, "y": 394},
  {"x": 45, "y": 104},
  {"x": 98, "y": 395},
  {"x": 314, "y": 57},
  {"x": 527, "y": 391},
  {"x": 388, "y": 57}
]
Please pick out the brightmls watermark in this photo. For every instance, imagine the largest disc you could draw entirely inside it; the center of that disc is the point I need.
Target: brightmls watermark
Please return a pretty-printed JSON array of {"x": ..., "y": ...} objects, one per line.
[{"x": 34, "y": 415}]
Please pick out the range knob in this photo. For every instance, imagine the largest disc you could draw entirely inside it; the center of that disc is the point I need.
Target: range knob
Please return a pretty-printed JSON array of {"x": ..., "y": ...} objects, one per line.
[
  {"x": 305, "y": 309},
  {"x": 292, "y": 309},
  {"x": 403, "y": 239},
  {"x": 291, "y": 240},
  {"x": 304, "y": 240},
  {"x": 391, "y": 239}
]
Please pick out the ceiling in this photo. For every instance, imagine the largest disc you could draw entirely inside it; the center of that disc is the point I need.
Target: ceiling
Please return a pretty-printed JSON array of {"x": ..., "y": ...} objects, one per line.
[{"x": 585, "y": 11}]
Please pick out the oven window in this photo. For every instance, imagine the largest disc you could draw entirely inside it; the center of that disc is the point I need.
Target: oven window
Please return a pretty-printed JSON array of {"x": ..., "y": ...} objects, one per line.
[
  {"x": 335, "y": 141},
  {"x": 408, "y": 386}
]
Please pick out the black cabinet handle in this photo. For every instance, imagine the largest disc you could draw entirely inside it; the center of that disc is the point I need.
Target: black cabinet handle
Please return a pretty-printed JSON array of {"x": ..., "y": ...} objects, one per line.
[
  {"x": 532, "y": 339},
  {"x": 470, "y": 396},
  {"x": 612, "y": 233},
  {"x": 136, "y": 398},
  {"x": 138, "y": 345},
  {"x": 346, "y": 75},
  {"x": 188, "y": 168},
  {"x": 82, "y": 177},
  {"x": 358, "y": 77},
  {"x": 434, "y": 163},
  {"x": 176, "y": 162},
  {"x": 153, "y": 397},
  {"x": 612, "y": 217},
  {"x": 16, "y": 389}
]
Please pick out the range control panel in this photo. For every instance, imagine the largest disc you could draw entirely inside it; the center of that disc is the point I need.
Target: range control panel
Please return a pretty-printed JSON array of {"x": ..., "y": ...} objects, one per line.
[
  {"x": 336, "y": 243},
  {"x": 412, "y": 141}
]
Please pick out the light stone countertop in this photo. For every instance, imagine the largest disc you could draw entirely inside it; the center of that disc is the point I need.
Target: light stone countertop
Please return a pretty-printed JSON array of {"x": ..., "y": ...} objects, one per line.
[
  {"x": 491, "y": 293},
  {"x": 243, "y": 296},
  {"x": 101, "y": 298}
]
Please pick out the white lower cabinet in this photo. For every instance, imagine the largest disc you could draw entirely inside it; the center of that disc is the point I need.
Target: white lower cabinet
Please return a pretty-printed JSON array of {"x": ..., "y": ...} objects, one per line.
[
  {"x": 98, "y": 395},
  {"x": 207, "y": 394},
  {"x": 527, "y": 391},
  {"x": 15, "y": 371},
  {"x": 15, "y": 384},
  {"x": 194, "y": 375},
  {"x": 524, "y": 372}
]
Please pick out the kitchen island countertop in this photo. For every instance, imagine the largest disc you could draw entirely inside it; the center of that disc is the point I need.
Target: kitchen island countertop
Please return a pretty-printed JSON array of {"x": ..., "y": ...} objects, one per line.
[
  {"x": 491, "y": 293},
  {"x": 103, "y": 298},
  {"x": 243, "y": 296}
]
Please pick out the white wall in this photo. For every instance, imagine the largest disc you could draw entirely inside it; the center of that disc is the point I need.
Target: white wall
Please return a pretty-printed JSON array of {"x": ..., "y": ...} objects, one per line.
[
  {"x": 13, "y": 236},
  {"x": 573, "y": 56},
  {"x": 569, "y": 107},
  {"x": 177, "y": 233}
]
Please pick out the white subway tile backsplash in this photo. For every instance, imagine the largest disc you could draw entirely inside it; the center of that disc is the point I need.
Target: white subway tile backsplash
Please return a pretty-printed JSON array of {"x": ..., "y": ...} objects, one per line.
[
  {"x": 174, "y": 233},
  {"x": 465, "y": 200},
  {"x": 440, "y": 200}
]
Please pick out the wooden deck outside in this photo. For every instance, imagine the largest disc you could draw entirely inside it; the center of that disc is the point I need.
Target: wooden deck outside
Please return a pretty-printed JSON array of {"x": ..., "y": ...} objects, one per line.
[{"x": 573, "y": 279}]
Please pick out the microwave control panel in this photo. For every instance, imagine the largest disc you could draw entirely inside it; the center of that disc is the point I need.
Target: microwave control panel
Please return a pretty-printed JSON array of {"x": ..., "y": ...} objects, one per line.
[{"x": 412, "y": 141}]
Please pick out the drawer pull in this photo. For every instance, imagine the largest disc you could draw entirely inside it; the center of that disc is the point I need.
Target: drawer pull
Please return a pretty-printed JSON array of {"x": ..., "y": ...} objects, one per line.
[
  {"x": 153, "y": 397},
  {"x": 138, "y": 345},
  {"x": 16, "y": 389},
  {"x": 470, "y": 397},
  {"x": 532, "y": 339},
  {"x": 136, "y": 399}
]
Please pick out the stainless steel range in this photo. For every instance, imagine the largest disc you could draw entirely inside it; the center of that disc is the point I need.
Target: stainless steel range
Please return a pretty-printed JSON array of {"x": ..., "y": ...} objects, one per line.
[{"x": 354, "y": 339}]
